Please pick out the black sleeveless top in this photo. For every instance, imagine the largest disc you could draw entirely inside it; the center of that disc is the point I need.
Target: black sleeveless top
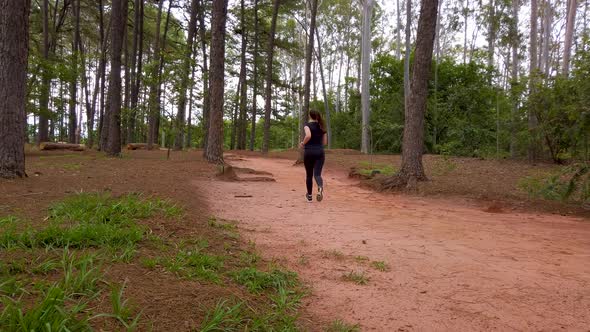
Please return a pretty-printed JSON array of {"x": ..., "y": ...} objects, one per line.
[{"x": 317, "y": 136}]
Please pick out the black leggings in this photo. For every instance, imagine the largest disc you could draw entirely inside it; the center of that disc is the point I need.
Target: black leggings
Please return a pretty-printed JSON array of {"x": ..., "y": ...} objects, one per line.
[{"x": 313, "y": 159}]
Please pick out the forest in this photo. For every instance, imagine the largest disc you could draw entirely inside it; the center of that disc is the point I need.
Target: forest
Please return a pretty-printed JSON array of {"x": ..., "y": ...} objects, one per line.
[
  {"x": 150, "y": 152},
  {"x": 499, "y": 86}
]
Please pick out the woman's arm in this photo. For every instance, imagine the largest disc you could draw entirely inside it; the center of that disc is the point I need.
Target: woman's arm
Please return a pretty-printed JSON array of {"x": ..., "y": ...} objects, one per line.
[
  {"x": 325, "y": 139},
  {"x": 307, "y": 136}
]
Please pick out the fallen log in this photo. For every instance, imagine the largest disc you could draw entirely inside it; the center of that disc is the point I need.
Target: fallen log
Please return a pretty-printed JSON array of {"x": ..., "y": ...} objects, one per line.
[
  {"x": 61, "y": 146},
  {"x": 141, "y": 146}
]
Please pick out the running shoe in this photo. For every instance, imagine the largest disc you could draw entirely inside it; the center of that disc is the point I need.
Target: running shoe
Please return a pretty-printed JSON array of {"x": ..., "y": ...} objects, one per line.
[
  {"x": 320, "y": 195},
  {"x": 309, "y": 198}
]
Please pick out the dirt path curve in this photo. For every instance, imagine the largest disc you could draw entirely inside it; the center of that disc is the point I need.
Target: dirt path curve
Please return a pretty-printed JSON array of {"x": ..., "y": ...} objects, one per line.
[{"x": 452, "y": 267}]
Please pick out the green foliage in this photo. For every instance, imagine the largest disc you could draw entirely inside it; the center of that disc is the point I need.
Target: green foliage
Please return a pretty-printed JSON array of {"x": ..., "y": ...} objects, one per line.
[
  {"x": 223, "y": 318},
  {"x": 359, "y": 278},
  {"x": 369, "y": 169},
  {"x": 50, "y": 313},
  {"x": 257, "y": 281},
  {"x": 381, "y": 266},
  {"x": 568, "y": 183},
  {"x": 90, "y": 220},
  {"x": 194, "y": 264},
  {"x": 341, "y": 326}
]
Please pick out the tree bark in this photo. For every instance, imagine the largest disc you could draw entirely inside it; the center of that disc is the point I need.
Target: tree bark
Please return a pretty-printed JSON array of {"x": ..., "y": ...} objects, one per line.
[
  {"x": 188, "y": 143},
  {"x": 398, "y": 38},
  {"x": 491, "y": 34},
  {"x": 104, "y": 117},
  {"x": 366, "y": 72},
  {"x": 72, "y": 121},
  {"x": 186, "y": 68},
  {"x": 44, "y": 112},
  {"x": 241, "y": 130},
  {"x": 14, "y": 51},
  {"x": 569, "y": 35},
  {"x": 268, "y": 92},
  {"x": 514, "y": 76},
  {"x": 160, "y": 71},
  {"x": 136, "y": 68},
  {"x": 154, "y": 105},
  {"x": 532, "y": 119},
  {"x": 326, "y": 103},
  {"x": 118, "y": 22},
  {"x": 308, "y": 58},
  {"x": 214, "y": 152},
  {"x": 254, "y": 78},
  {"x": 547, "y": 19},
  {"x": 407, "y": 57},
  {"x": 412, "y": 169},
  {"x": 206, "y": 100}
]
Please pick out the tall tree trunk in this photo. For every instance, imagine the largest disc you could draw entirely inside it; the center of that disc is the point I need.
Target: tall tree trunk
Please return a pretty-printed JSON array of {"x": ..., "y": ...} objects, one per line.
[
  {"x": 136, "y": 69},
  {"x": 436, "y": 62},
  {"x": 407, "y": 87},
  {"x": 127, "y": 84},
  {"x": 104, "y": 109},
  {"x": 547, "y": 19},
  {"x": 465, "y": 26},
  {"x": 189, "y": 137},
  {"x": 89, "y": 107},
  {"x": 44, "y": 112},
  {"x": 339, "y": 84},
  {"x": 160, "y": 71},
  {"x": 532, "y": 119},
  {"x": 268, "y": 92},
  {"x": 254, "y": 78},
  {"x": 206, "y": 99},
  {"x": 154, "y": 105},
  {"x": 366, "y": 68},
  {"x": 308, "y": 58},
  {"x": 118, "y": 22},
  {"x": 243, "y": 87},
  {"x": 412, "y": 169},
  {"x": 572, "y": 5},
  {"x": 184, "y": 80},
  {"x": 491, "y": 34},
  {"x": 514, "y": 76},
  {"x": 214, "y": 152},
  {"x": 398, "y": 38},
  {"x": 14, "y": 52},
  {"x": 326, "y": 103},
  {"x": 234, "y": 117},
  {"x": 72, "y": 121}
]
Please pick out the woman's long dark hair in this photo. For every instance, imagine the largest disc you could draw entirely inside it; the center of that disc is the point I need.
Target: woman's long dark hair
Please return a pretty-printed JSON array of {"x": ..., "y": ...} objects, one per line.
[{"x": 317, "y": 116}]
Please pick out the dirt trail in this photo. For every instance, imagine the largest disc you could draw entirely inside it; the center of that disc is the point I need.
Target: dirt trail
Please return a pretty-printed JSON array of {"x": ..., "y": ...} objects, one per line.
[{"x": 453, "y": 267}]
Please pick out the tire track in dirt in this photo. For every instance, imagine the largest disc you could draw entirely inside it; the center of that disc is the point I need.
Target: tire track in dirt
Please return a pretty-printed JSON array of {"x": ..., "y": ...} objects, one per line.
[{"x": 452, "y": 266}]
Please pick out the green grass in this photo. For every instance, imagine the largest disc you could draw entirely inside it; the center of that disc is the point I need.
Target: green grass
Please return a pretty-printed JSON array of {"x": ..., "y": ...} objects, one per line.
[
  {"x": 257, "y": 281},
  {"x": 368, "y": 169},
  {"x": 72, "y": 166},
  {"x": 341, "y": 326},
  {"x": 123, "y": 311},
  {"x": 381, "y": 266},
  {"x": 335, "y": 254},
  {"x": 52, "y": 312},
  {"x": 194, "y": 265},
  {"x": 217, "y": 223},
  {"x": 249, "y": 258},
  {"x": 223, "y": 318},
  {"x": 90, "y": 220},
  {"x": 359, "y": 278},
  {"x": 361, "y": 259},
  {"x": 443, "y": 166}
]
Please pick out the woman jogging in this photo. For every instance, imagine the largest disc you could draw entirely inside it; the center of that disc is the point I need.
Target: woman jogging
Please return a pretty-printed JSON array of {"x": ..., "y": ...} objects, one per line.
[{"x": 313, "y": 156}]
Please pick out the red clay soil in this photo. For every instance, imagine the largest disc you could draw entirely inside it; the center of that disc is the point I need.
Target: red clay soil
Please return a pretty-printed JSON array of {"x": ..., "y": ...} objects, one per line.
[{"x": 453, "y": 266}]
